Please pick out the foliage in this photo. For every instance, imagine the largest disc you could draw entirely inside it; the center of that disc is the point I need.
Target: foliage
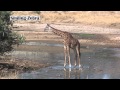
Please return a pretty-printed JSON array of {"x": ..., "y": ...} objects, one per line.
[{"x": 8, "y": 38}]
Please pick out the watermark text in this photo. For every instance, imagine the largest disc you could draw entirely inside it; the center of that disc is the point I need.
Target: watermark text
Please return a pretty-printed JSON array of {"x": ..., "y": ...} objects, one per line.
[{"x": 15, "y": 18}]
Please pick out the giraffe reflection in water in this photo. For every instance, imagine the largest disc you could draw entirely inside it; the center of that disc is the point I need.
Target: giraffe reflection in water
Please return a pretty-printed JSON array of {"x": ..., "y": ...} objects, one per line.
[{"x": 72, "y": 74}]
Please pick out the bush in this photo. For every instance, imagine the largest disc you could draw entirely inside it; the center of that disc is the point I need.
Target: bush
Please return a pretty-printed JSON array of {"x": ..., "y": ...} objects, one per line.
[
  {"x": 38, "y": 12},
  {"x": 8, "y": 38}
]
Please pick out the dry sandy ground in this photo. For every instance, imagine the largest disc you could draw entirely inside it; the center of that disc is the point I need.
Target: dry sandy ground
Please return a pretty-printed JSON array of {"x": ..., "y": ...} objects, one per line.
[
  {"x": 73, "y": 28},
  {"x": 104, "y": 23},
  {"x": 102, "y": 35},
  {"x": 96, "y": 18}
]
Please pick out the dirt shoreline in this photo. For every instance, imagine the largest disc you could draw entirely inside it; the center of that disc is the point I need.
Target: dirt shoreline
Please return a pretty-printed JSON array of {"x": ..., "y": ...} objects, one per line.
[{"x": 10, "y": 68}]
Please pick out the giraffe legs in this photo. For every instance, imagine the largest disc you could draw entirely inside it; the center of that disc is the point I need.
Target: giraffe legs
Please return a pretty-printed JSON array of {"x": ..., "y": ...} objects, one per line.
[
  {"x": 78, "y": 53},
  {"x": 67, "y": 53},
  {"x": 75, "y": 52}
]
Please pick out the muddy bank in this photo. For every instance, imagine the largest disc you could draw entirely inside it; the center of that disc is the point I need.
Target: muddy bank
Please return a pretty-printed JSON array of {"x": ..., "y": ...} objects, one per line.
[
  {"x": 11, "y": 67},
  {"x": 92, "y": 41}
]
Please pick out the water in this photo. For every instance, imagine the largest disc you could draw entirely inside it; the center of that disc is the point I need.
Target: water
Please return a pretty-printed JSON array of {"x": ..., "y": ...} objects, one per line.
[
  {"x": 43, "y": 44},
  {"x": 97, "y": 62}
]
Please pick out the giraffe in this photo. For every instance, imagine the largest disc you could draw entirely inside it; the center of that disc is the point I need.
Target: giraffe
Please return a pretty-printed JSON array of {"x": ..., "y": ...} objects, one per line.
[{"x": 69, "y": 42}]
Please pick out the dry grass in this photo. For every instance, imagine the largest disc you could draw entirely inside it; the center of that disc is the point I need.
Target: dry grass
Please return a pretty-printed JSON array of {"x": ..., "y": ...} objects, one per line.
[
  {"x": 17, "y": 13},
  {"x": 9, "y": 75},
  {"x": 85, "y": 17}
]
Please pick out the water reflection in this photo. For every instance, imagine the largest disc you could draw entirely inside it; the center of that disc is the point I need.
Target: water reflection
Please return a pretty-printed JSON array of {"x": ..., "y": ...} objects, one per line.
[
  {"x": 72, "y": 74},
  {"x": 43, "y": 44},
  {"x": 106, "y": 76},
  {"x": 30, "y": 55}
]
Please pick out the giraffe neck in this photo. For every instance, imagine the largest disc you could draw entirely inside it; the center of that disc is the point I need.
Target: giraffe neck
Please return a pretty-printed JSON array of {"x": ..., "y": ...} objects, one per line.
[{"x": 57, "y": 32}]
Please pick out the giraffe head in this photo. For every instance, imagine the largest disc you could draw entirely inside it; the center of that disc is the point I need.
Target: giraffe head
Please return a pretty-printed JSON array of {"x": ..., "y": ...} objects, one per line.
[
  {"x": 47, "y": 28},
  {"x": 48, "y": 24}
]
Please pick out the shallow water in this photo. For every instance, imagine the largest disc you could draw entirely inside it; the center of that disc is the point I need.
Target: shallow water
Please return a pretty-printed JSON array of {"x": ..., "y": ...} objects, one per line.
[{"x": 97, "y": 63}]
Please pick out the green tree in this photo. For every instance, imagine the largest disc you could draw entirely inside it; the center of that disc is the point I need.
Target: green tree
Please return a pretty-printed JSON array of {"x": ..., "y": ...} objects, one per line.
[{"x": 8, "y": 38}]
